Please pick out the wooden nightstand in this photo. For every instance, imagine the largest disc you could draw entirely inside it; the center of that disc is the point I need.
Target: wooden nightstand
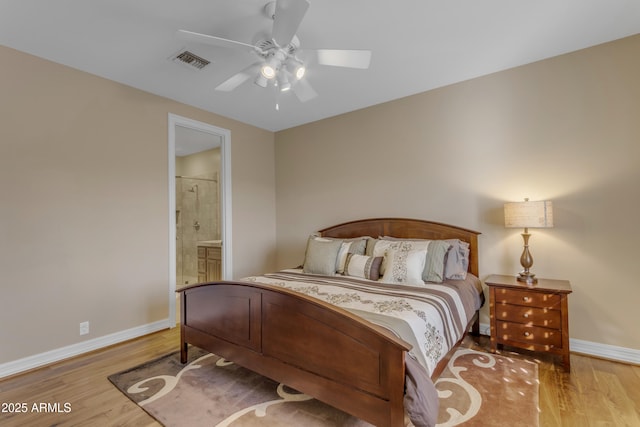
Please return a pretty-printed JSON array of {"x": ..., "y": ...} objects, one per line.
[{"x": 532, "y": 317}]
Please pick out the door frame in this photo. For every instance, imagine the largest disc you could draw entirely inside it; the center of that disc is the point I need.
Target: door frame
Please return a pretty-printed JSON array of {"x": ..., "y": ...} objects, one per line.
[{"x": 225, "y": 200}]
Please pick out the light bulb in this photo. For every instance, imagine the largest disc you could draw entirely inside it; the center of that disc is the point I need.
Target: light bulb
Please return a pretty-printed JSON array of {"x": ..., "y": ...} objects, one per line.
[{"x": 268, "y": 71}]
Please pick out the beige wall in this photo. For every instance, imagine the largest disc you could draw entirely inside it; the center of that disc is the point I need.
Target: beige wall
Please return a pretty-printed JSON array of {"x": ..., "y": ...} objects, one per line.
[
  {"x": 84, "y": 204},
  {"x": 565, "y": 129},
  {"x": 83, "y": 187}
]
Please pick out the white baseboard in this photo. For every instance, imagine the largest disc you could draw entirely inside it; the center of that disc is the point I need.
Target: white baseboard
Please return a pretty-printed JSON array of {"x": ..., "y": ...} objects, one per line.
[
  {"x": 485, "y": 329},
  {"x": 605, "y": 351},
  {"x": 56, "y": 355},
  {"x": 589, "y": 348},
  {"x": 620, "y": 354}
]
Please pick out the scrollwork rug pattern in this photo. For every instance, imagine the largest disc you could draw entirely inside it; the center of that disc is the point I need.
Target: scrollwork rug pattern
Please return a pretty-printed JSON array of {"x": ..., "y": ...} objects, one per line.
[{"x": 476, "y": 389}]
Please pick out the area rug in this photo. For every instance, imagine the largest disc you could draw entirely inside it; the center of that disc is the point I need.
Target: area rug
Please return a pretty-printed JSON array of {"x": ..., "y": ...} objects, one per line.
[
  {"x": 483, "y": 389},
  {"x": 476, "y": 389}
]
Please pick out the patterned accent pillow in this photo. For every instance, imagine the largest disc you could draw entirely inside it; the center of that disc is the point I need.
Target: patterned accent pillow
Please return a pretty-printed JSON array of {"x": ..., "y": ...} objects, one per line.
[
  {"x": 383, "y": 245},
  {"x": 321, "y": 256},
  {"x": 434, "y": 269},
  {"x": 363, "y": 266},
  {"x": 404, "y": 266}
]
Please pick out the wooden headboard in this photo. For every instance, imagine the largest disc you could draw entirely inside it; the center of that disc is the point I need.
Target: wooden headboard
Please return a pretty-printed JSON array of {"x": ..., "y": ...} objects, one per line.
[{"x": 408, "y": 229}]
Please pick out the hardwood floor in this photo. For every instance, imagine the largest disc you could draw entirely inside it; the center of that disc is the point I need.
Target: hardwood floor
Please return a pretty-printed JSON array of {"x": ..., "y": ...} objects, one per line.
[
  {"x": 82, "y": 382},
  {"x": 596, "y": 393}
]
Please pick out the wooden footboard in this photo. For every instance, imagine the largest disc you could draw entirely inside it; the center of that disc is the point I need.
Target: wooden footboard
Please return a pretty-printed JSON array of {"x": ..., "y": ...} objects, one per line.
[{"x": 312, "y": 346}]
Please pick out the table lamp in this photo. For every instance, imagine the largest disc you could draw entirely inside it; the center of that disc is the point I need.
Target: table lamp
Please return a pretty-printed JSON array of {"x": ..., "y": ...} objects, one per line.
[{"x": 528, "y": 215}]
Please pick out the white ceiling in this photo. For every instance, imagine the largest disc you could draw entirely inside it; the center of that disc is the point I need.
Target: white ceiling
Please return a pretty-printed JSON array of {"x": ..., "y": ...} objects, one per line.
[{"x": 417, "y": 45}]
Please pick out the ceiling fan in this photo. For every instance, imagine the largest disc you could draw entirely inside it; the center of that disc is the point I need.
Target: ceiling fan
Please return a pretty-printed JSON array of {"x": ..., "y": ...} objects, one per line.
[{"x": 278, "y": 65}]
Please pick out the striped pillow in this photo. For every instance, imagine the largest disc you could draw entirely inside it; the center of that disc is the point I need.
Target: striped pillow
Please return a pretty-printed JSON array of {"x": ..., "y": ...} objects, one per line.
[{"x": 362, "y": 266}]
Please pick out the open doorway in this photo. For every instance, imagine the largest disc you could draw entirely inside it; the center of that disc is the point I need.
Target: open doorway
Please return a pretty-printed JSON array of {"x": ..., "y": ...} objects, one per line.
[
  {"x": 199, "y": 203},
  {"x": 197, "y": 206}
]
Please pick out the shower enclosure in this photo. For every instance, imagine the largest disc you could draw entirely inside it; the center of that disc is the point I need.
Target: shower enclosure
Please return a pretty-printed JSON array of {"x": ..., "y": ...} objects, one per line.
[{"x": 197, "y": 219}]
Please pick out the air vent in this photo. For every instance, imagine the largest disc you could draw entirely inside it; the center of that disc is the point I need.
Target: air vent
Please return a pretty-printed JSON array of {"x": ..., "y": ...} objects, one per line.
[{"x": 191, "y": 59}]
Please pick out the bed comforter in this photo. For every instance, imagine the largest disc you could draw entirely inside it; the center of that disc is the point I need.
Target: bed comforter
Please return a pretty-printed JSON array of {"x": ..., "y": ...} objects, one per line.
[{"x": 432, "y": 318}]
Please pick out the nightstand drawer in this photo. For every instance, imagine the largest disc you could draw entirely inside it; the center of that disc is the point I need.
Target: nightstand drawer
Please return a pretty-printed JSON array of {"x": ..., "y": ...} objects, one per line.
[
  {"x": 533, "y": 335},
  {"x": 536, "y": 316},
  {"x": 526, "y": 298}
]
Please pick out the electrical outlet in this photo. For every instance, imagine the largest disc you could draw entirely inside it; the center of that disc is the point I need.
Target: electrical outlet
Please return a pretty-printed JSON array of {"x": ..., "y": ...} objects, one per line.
[{"x": 84, "y": 328}]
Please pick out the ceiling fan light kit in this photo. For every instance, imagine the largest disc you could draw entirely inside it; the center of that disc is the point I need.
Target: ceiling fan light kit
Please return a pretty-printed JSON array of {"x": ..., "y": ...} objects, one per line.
[
  {"x": 260, "y": 80},
  {"x": 278, "y": 64},
  {"x": 283, "y": 82}
]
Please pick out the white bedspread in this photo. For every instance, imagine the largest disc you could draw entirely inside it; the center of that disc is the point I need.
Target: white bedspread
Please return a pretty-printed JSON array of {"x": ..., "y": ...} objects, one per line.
[{"x": 432, "y": 317}]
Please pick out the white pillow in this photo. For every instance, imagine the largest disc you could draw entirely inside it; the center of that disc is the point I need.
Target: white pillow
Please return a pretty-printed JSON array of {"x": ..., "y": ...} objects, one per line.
[{"x": 402, "y": 266}]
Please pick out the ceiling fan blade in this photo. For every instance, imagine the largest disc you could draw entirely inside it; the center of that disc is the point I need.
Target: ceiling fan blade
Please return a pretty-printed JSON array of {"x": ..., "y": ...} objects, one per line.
[
  {"x": 344, "y": 58},
  {"x": 214, "y": 41},
  {"x": 304, "y": 91},
  {"x": 233, "y": 82},
  {"x": 288, "y": 16},
  {"x": 237, "y": 79}
]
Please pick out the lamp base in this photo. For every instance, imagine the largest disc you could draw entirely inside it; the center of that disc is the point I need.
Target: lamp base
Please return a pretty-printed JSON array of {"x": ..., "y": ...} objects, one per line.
[{"x": 526, "y": 277}]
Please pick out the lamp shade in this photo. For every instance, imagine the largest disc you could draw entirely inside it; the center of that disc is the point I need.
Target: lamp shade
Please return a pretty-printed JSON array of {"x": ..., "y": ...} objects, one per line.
[{"x": 528, "y": 214}]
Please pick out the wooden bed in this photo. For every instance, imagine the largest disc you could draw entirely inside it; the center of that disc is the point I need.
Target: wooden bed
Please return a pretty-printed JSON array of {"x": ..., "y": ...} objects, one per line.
[{"x": 331, "y": 354}]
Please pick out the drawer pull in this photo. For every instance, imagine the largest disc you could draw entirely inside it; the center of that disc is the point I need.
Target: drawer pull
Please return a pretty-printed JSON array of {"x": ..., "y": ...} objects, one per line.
[
  {"x": 527, "y": 333},
  {"x": 526, "y": 315},
  {"x": 526, "y": 299}
]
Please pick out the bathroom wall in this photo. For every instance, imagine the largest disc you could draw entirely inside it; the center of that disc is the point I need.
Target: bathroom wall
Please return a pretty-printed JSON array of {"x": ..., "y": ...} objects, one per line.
[{"x": 197, "y": 209}]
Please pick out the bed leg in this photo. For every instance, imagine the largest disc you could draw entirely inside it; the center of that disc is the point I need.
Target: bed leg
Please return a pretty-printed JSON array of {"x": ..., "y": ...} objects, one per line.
[
  {"x": 475, "y": 328},
  {"x": 397, "y": 417},
  {"x": 183, "y": 322},
  {"x": 184, "y": 352}
]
